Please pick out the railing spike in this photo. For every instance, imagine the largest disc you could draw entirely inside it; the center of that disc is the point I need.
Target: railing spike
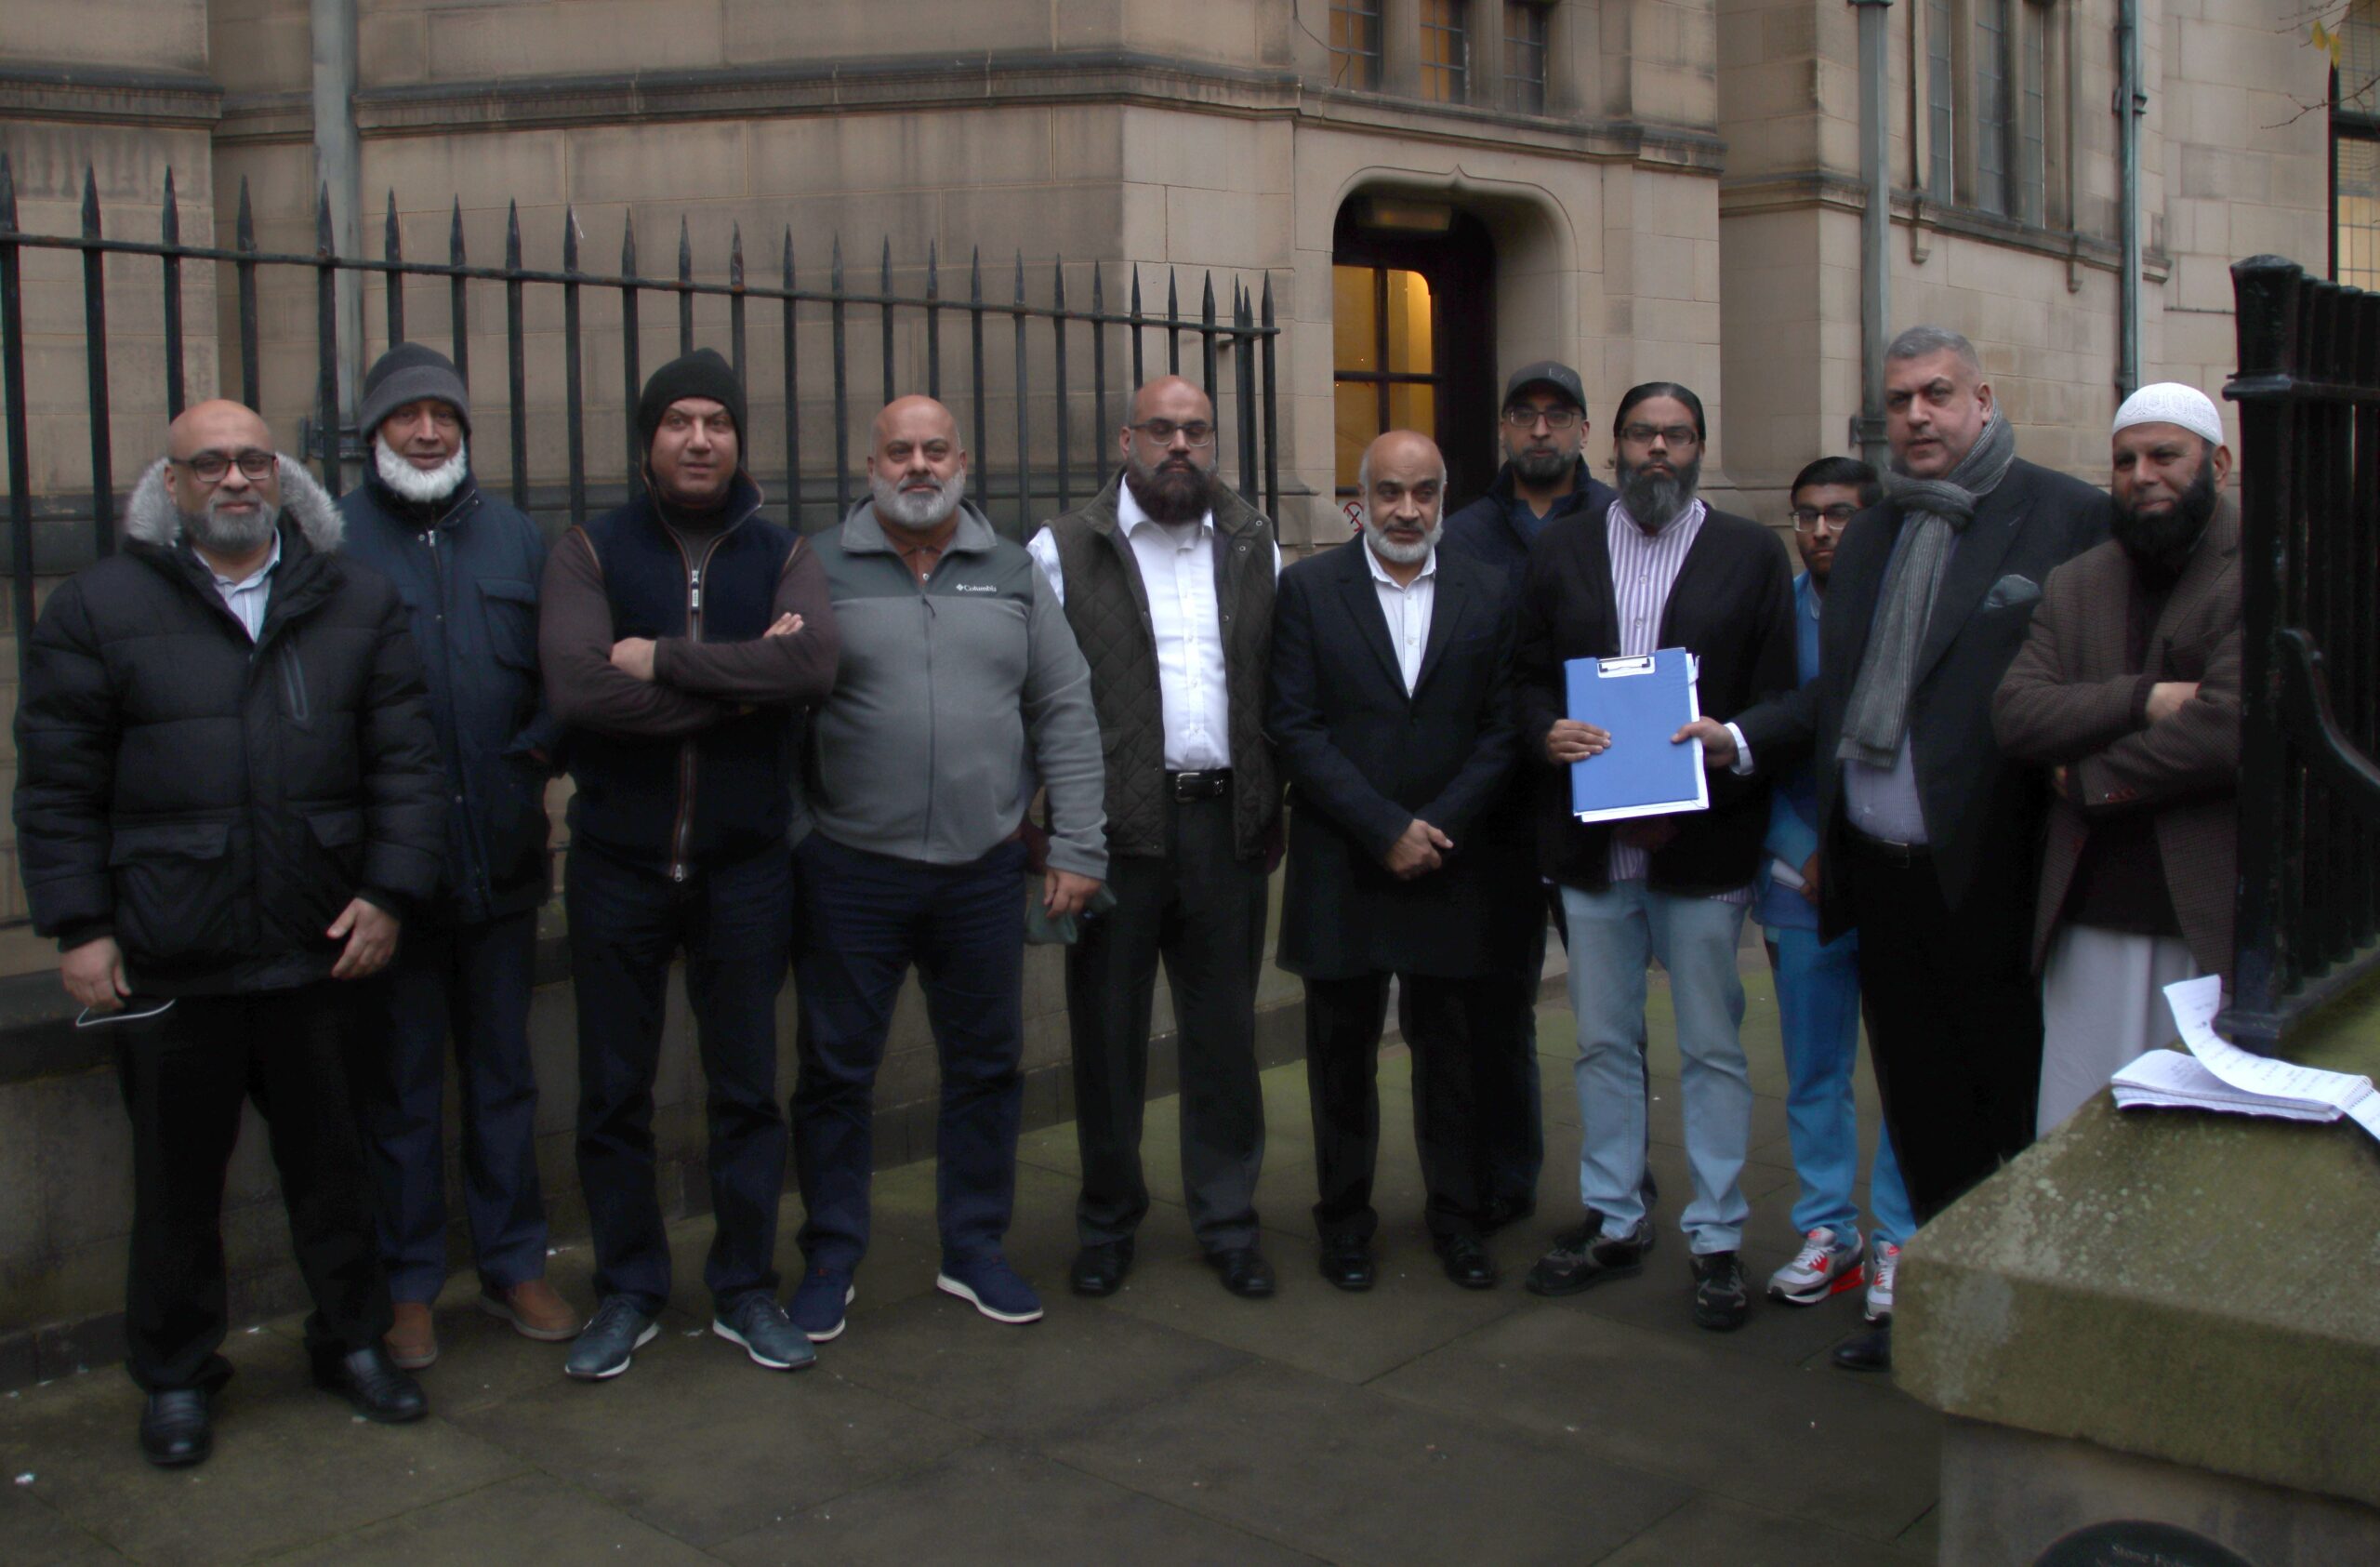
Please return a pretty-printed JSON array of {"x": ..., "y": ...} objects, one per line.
[
  {"x": 170, "y": 229},
  {"x": 9, "y": 196},
  {"x": 1058, "y": 283},
  {"x": 90, "y": 202},
  {"x": 244, "y": 228},
  {"x": 455, "y": 234},
  {"x": 835, "y": 266},
  {"x": 788, "y": 260},
  {"x": 735, "y": 255},
  {"x": 685, "y": 251},
  {"x": 570, "y": 239},
  {"x": 512, "y": 237},
  {"x": 323, "y": 245},
  {"x": 627, "y": 243},
  {"x": 391, "y": 242},
  {"x": 933, "y": 270}
]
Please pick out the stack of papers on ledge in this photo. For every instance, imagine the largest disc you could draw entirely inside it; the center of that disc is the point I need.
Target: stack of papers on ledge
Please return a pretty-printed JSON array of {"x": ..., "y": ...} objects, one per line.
[{"x": 2219, "y": 1075}]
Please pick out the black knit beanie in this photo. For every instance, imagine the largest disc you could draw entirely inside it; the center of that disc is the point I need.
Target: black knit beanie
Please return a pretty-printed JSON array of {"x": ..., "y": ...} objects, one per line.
[{"x": 700, "y": 374}]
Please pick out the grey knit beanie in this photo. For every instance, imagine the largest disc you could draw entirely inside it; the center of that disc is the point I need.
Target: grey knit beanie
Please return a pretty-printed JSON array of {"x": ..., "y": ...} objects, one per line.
[{"x": 407, "y": 374}]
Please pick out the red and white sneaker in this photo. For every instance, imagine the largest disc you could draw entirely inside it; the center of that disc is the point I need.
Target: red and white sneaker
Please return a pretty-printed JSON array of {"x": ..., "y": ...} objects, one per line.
[
  {"x": 1883, "y": 1263},
  {"x": 1827, "y": 1265}
]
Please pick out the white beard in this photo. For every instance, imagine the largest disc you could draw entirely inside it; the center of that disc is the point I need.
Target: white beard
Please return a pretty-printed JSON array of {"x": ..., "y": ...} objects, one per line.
[
  {"x": 421, "y": 485},
  {"x": 916, "y": 512}
]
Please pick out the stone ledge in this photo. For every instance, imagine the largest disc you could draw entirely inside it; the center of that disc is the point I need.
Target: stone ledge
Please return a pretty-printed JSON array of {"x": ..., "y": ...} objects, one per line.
[
  {"x": 153, "y": 100},
  {"x": 2182, "y": 1286}
]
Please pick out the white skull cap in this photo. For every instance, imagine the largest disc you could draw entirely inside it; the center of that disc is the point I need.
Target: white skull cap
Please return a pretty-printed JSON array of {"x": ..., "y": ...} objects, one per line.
[{"x": 2172, "y": 402}]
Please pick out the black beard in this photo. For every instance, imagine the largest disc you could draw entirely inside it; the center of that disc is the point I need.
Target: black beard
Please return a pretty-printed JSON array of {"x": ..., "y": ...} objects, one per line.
[
  {"x": 2163, "y": 540},
  {"x": 1544, "y": 468},
  {"x": 1168, "y": 495},
  {"x": 1652, "y": 498}
]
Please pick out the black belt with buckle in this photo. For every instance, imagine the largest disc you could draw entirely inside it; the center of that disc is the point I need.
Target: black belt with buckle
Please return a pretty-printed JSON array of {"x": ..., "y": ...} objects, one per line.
[
  {"x": 1213, "y": 784},
  {"x": 1902, "y": 855}
]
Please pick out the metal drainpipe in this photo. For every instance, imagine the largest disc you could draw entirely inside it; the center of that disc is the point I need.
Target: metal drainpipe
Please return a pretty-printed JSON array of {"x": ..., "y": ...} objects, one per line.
[
  {"x": 339, "y": 165},
  {"x": 1875, "y": 233},
  {"x": 2131, "y": 102}
]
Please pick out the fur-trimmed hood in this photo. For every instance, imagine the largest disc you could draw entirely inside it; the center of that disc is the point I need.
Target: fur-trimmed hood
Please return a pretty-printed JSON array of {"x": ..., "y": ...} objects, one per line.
[{"x": 151, "y": 518}]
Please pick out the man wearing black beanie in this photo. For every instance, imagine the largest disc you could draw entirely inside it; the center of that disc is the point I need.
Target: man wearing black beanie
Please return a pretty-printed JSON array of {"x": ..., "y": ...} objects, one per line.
[{"x": 682, "y": 636}]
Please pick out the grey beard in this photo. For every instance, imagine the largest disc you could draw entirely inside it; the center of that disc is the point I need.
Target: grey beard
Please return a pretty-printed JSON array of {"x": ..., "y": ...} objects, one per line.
[
  {"x": 1377, "y": 540},
  {"x": 1544, "y": 468},
  {"x": 1169, "y": 497},
  {"x": 223, "y": 536},
  {"x": 1652, "y": 499},
  {"x": 421, "y": 485},
  {"x": 915, "y": 511}
]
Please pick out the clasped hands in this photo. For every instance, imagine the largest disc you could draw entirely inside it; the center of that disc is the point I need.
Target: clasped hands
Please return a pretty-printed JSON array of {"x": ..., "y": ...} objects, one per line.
[{"x": 633, "y": 656}]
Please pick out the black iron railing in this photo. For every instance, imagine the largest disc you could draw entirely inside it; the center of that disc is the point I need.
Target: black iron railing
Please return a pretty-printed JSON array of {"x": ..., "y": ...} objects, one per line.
[
  {"x": 2308, "y": 391},
  {"x": 1041, "y": 472}
]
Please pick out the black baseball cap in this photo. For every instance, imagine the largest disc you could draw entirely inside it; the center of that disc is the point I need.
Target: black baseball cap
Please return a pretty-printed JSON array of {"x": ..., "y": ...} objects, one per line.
[{"x": 1550, "y": 372}]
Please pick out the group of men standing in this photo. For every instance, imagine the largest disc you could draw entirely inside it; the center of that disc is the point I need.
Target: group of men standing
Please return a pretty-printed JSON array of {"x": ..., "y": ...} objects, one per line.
[{"x": 274, "y": 733}]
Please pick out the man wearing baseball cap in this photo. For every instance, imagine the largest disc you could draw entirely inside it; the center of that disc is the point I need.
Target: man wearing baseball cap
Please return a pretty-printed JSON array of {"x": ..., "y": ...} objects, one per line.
[
  {"x": 2128, "y": 688},
  {"x": 1543, "y": 425},
  {"x": 467, "y": 567},
  {"x": 682, "y": 636}
]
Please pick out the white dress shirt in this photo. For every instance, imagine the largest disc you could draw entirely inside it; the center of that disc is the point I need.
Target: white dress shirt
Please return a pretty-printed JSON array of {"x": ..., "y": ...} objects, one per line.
[
  {"x": 249, "y": 597},
  {"x": 1177, "y": 566},
  {"x": 1406, "y": 607}
]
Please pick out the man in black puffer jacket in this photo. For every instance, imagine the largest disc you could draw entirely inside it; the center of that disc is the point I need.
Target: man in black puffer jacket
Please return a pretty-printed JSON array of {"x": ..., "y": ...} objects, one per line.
[{"x": 228, "y": 792}]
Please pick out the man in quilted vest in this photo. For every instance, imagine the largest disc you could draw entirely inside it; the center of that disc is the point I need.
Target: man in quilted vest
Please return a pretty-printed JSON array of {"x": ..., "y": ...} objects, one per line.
[{"x": 1167, "y": 578}]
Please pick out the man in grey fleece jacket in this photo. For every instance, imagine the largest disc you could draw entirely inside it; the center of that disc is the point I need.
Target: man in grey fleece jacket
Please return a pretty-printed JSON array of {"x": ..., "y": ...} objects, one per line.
[{"x": 959, "y": 683}]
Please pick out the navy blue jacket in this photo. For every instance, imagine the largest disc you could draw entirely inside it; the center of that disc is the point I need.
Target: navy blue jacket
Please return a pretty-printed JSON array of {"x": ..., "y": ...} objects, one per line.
[
  {"x": 467, "y": 570},
  {"x": 1484, "y": 530}
]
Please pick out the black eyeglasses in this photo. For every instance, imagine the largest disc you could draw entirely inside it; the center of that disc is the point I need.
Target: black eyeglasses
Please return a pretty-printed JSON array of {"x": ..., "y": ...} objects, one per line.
[
  {"x": 1644, "y": 434},
  {"x": 1520, "y": 415},
  {"x": 1807, "y": 518},
  {"x": 1197, "y": 432},
  {"x": 210, "y": 467}
]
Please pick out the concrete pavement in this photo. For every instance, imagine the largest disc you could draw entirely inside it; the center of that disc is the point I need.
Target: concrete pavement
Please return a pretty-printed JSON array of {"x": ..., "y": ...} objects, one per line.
[{"x": 1169, "y": 1424}]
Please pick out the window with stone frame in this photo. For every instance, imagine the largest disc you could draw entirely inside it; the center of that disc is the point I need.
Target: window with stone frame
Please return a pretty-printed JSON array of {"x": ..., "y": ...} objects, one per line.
[
  {"x": 1354, "y": 45},
  {"x": 2355, "y": 150},
  {"x": 1525, "y": 56},
  {"x": 1446, "y": 51},
  {"x": 1998, "y": 107}
]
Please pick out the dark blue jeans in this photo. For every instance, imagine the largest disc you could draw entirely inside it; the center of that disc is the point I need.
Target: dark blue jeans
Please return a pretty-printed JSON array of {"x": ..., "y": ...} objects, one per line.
[
  {"x": 469, "y": 982},
  {"x": 734, "y": 923},
  {"x": 865, "y": 919}
]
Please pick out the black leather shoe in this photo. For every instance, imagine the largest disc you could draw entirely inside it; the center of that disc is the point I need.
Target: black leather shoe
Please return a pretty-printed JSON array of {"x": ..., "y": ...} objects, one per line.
[
  {"x": 175, "y": 1428},
  {"x": 370, "y": 1381},
  {"x": 1347, "y": 1264},
  {"x": 1871, "y": 1350},
  {"x": 1245, "y": 1272},
  {"x": 1099, "y": 1270},
  {"x": 1466, "y": 1262}
]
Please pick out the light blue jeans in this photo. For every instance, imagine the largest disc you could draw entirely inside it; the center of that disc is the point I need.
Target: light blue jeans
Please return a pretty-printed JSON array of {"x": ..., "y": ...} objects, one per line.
[
  {"x": 1817, "y": 1010},
  {"x": 1613, "y": 933}
]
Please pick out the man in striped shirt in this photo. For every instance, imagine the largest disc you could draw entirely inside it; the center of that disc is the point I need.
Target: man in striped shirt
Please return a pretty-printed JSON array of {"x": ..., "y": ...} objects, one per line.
[{"x": 1657, "y": 568}]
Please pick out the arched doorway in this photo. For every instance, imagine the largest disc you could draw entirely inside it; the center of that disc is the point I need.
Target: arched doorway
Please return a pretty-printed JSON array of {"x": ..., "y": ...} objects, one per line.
[{"x": 1413, "y": 329}]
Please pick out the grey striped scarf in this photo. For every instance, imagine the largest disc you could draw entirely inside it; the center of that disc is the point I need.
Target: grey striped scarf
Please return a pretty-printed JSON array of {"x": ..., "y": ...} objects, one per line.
[{"x": 1935, "y": 512}]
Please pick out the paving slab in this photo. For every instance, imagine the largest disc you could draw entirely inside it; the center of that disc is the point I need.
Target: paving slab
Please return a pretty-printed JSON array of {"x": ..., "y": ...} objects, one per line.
[
  {"x": 1082, "y": 1364},
  {"x": 1711, "y": 1529},
  {"x": 291, "y": 1466},
  {"x": 33, "y": 1533},
  {"x": 696, "y": 1440},
  {"x": 534, "y": 1518},
  {"x": 1819, "y": 1444},
  {"x": 1350, "y": 1475},
  {"x": 995, "y": 1503}
]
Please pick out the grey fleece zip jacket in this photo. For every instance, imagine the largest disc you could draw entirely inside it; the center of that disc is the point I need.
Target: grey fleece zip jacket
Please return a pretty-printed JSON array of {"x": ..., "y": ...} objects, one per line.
[{"x": 949, "y": 696}]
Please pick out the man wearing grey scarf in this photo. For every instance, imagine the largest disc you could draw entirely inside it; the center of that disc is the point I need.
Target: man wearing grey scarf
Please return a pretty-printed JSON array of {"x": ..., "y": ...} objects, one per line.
[{"x": 1929, "y": 842}]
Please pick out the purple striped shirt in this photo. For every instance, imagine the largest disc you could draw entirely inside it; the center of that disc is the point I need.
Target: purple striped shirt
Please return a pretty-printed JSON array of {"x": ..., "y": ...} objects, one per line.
[{"x": 1644, "y": 569}]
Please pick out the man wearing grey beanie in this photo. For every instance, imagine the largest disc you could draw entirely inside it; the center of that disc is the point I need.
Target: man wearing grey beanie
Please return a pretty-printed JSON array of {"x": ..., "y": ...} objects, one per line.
[{"x": 468, "y": 567}]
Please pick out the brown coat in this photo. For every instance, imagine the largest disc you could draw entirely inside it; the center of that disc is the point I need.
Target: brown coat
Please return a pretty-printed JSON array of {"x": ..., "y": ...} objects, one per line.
[{"x": 2069, "y": 700}]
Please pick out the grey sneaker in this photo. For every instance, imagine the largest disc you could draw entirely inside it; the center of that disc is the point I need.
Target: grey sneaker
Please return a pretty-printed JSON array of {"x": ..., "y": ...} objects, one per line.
[
  {"x": 1827, "y": 1265},
  {"x": 607, "y": 1343},
  {"x": 766, "y": 1334}
]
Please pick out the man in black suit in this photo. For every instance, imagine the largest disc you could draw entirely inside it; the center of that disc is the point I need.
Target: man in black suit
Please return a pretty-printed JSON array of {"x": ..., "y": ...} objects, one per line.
[
  {"x": 1391, "y": 713},
  {"x": 1930, "y": 838}
]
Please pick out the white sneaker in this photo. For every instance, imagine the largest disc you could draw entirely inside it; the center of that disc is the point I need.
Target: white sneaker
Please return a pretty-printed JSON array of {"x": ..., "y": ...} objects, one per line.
[
  {"x": 1883, "y": 1263},
  {"x": 1827, "y": 1265}
]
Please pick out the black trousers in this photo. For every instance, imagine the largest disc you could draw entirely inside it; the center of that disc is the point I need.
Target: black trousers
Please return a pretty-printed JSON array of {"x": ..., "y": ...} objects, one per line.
[
  {"x": 1954, "y": 1017},
  {"x": 1201, "y": 907},
  {"x": 185, "y": 1076},
  {"x": 1443, "y": 1022}
]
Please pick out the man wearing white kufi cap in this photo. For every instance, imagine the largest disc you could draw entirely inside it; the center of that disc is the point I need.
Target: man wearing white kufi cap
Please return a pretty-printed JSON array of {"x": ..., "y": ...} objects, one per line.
[{"x": 2128, "y": 685}]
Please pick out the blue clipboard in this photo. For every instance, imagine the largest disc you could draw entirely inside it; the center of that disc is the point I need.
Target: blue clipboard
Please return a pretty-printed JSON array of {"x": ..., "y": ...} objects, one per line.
[{"x": 1641, "y": 701}]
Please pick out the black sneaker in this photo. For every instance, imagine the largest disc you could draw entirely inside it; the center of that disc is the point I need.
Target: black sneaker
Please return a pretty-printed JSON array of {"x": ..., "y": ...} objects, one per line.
[
  {"x": 1582, "y": 1257},
  {"x": 1721, "y": 1302},
  {"x": 607, "y": 1343}
]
